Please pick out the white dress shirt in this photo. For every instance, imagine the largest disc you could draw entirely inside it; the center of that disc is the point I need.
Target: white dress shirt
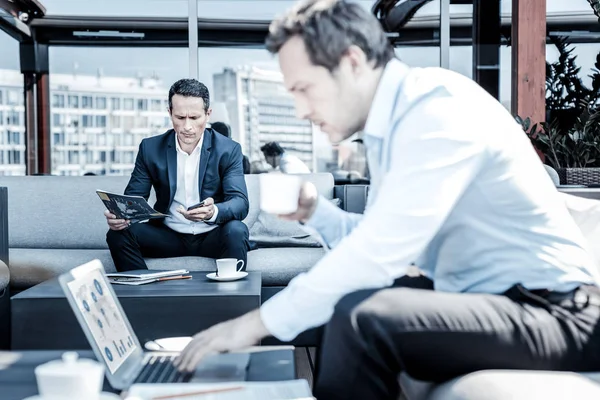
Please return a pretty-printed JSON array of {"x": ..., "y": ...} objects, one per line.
[
  {"x": 187, "y": 193},
  {"x": 290, "y": 164},
  {"x": 456, "y": 189}
]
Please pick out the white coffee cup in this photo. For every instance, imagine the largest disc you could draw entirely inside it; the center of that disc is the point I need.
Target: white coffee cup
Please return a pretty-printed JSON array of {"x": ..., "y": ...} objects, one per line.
[
  {"x": 279, "y": 193},
  {"x": 70, "y": 378},
  {"x": 228, "y": 267}
]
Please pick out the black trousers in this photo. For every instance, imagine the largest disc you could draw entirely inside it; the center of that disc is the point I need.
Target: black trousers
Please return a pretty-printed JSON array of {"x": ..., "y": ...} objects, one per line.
[
  {"x": 128, "y": 247},
  {"x": 435, "y": 336}
]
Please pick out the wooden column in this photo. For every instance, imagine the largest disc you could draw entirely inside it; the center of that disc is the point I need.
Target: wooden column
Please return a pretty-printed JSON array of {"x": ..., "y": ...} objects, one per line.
[{"x": 529, "y": 59}]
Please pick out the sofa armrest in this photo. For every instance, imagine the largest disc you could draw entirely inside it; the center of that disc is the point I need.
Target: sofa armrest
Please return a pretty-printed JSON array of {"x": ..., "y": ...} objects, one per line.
[{"x": 354, "y": 197}]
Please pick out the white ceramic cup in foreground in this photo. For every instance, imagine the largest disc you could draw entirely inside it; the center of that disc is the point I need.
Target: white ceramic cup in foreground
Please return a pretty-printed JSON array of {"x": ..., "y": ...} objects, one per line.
[
  {"x": 228, "y": 267},
  {"x": 279, "y": 193},
  {"x": 70, "y": 378}
]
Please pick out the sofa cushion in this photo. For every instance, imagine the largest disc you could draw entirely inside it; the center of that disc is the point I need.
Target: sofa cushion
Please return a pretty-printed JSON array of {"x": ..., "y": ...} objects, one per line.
[
  {"x": 278, "y": 266},
  {"x": 58, "y": 212},
  {"x": 507, "y": 384}
]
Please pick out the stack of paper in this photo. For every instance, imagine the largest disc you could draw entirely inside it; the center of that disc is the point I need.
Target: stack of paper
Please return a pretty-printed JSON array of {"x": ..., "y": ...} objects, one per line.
[
  {"x": 125, "y": 278},
  {"x": 284, "y": 390}
]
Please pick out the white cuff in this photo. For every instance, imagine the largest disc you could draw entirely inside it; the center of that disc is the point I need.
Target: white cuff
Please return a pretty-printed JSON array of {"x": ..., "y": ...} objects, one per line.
[{"x": 214, "y": 217}]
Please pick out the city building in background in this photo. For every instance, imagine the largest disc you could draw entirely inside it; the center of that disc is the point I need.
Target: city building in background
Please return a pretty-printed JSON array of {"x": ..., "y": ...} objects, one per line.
[
  {"x": 260, "y": 110},
  {"x": 12, "y": 123},
  {"x": 97, "y": 122}
]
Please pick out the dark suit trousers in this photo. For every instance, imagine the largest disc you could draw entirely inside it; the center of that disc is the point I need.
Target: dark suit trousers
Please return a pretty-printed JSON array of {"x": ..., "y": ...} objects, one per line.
[
  {"x": 435, "y": 336},
  {"x": 129, "y": 246}
]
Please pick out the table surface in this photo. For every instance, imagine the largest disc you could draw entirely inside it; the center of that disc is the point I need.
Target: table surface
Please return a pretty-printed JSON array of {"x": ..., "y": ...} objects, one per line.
[
  {"x": 17, "y": 377},
  {"x": 199, "y": 285}
]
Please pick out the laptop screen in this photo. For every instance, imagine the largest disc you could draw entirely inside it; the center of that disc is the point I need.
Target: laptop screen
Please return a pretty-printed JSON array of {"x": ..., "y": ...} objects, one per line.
[{"x": 103, "y": 318}]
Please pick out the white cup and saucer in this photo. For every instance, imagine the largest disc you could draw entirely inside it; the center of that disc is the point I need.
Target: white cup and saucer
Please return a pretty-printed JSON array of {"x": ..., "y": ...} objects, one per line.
[
  {"x": 71, "y": 378},
  {"x": 228, "y": 270}
]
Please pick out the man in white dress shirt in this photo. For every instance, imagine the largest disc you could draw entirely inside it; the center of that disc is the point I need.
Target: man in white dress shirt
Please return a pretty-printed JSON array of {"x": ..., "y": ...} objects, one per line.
[
  {"x": 185, "y": 165},
  {"x": 457, "y": 190}
]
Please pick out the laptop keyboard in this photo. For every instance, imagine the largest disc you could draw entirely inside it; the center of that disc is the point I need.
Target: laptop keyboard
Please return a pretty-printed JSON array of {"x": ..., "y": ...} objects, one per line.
[{"x": 160, "y": 369}]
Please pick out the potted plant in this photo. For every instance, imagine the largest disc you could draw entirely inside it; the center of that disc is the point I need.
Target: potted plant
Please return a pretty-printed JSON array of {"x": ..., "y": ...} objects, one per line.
[{"x": 570, "y": 139}]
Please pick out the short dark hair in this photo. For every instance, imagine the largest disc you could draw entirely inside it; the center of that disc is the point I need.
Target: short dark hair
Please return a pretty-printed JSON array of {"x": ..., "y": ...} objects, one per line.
[
  {"x": 190, "y": 88},
  {"x": 222, "y": 128},
  {"x": 272, "y": 149},
  {"x": 328, "y": 28}
]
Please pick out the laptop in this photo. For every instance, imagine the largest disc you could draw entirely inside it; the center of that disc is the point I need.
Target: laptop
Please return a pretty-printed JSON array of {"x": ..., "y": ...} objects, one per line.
[{"x": 114, "y": 342}]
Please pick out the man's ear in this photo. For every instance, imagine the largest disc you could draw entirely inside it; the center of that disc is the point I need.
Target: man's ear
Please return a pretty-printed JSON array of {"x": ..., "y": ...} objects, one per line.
[
  {"x": 208, "y": 112},
  {"x": 357, "y": 59},
  {"x": 169, "y": 111}
]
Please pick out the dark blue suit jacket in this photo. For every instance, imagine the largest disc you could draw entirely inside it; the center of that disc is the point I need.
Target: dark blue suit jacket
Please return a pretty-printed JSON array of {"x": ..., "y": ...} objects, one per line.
[{"x": 221, "y": 174}]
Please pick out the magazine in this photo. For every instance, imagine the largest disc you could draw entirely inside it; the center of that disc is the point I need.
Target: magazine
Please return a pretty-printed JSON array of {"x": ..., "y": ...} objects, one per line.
[
  {"x": 133, "y": 208},
  {"x": 126, "y": 278}
]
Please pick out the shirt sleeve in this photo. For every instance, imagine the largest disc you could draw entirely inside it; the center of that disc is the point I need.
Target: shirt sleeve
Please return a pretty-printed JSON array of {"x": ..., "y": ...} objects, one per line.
[
  {"x": 214, "y": 217},
  {"x": 330, "y": 224},
  {"x": 434, "y": 158}
]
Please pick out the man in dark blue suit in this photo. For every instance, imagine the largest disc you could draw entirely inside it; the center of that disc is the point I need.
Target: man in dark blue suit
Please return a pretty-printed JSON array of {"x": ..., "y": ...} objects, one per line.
[{"x": 186, "y": 165}]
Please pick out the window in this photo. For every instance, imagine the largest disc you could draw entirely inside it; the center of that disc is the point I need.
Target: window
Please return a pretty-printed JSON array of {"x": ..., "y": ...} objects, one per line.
[
  {"x": 143, "y": 105},
  {"x": 155, "y": 105},
  {"x": 15, "y": 98},
  {"x": 101, "y": 121},
  {"x": 87, "y": 121},
  {"x": 115, "y": 103},
  {"x": 57, "y": 120},
  {"x": 13, "y": 118},
  {"x": 58, "y": 100},
  {"x": 128, "y": 104},
  {"x": 73, "y": 101},
  {"x": 87, "y": 101},
  {"x": 1, "y": 99},
  {"x": 1, "y": 117},
  {"x": 101, "y": 103},
  {"x": 115, "y": 121}
]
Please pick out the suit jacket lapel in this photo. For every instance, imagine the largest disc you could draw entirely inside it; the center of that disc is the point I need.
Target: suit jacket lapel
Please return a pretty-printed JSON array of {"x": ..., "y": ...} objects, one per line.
[
  {"x": 172, "y": 166},
  {"x": 204, "y": 156}
]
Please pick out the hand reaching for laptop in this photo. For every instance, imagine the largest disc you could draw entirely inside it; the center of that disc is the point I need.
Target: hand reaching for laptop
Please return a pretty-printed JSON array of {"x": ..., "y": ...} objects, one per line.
[
  {"x": 307, "y": 203},
  {"x": 203, "y": 213},
  {"x": 232, "y": 335}
]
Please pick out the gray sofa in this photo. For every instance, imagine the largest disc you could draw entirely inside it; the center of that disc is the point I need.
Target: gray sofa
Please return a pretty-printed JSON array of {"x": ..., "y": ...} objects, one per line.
[{"x": 57, "y": 223}]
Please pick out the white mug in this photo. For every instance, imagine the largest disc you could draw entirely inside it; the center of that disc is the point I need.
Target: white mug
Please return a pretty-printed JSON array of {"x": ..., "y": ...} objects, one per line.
[
  {"x": 279, "y": 193},
  {"x": 228, "y": 267},
  {"x": 70, "y": 378}
]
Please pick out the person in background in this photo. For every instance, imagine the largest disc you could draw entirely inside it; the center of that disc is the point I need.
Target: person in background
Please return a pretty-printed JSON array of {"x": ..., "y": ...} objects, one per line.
[
  {"x": 225, "y": 130},
  {"x": 276, "y": 156}
]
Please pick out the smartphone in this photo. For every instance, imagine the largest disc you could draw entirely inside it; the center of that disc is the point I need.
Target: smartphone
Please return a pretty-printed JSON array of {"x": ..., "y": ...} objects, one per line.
[{"x": 201, "y": 204}]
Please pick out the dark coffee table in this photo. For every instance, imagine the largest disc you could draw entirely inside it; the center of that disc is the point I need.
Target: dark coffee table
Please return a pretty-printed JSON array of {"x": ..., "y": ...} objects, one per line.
[
  {"x": 17, "y": 378},
  {"x": 43, "y": 320}
]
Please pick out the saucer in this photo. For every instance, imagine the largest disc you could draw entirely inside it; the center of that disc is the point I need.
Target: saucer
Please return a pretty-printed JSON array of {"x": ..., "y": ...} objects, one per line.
[
  {"x": 228, "y": 278},
  {"x": 103, "y": 396}
]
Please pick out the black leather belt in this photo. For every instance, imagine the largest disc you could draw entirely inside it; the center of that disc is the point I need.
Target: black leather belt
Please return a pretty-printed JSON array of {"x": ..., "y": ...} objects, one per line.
[{"x": 581, "y": 296}]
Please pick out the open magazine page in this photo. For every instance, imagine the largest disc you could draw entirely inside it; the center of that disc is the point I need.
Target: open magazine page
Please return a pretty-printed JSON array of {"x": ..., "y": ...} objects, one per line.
[{"x": 133, "y": 208}]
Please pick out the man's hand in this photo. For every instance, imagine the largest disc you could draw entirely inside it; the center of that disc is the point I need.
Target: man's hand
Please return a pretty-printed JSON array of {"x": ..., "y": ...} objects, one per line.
[
  {"x": 201, "y": 213},
  {"x": 114, "y": 223},
  {"x": 307, "y": 203},
  {"x": 225, "y": 337}
]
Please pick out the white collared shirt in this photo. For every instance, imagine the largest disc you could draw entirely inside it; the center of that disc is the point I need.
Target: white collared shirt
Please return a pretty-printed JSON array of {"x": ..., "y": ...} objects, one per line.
[
  {"x": 187, "y": 193},
  {"x": 456, "y": 189},
  {"x": 290, "y": 164}
]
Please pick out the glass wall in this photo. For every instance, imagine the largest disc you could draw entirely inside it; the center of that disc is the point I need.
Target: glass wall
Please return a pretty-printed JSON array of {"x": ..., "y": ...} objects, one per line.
[
  {"x": 102, "y": 107},
  {"x": 12, "y": 110}
]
